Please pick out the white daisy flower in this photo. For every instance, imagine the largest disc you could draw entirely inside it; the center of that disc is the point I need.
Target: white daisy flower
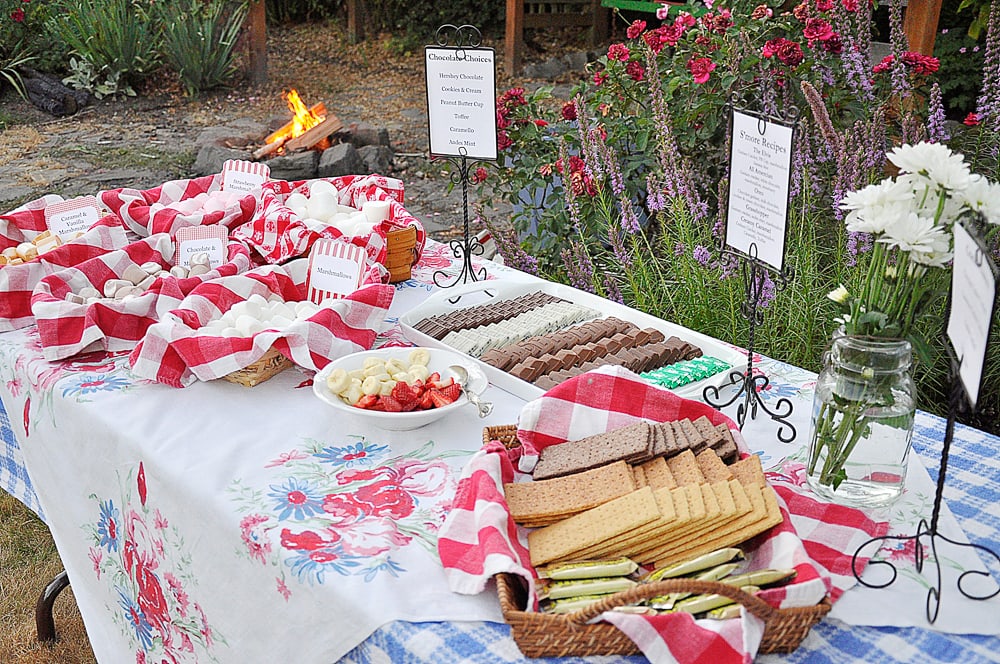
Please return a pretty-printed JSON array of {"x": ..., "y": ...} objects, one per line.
[{"x": 914, "y": 233}]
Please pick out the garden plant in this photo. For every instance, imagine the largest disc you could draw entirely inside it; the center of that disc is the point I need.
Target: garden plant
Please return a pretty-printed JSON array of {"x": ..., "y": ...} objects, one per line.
[{"x": 623, "y": 190}]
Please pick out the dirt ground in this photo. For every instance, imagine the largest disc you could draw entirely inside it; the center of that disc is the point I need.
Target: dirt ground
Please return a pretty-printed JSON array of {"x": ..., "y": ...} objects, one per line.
[{"x": 148, "y": 139}]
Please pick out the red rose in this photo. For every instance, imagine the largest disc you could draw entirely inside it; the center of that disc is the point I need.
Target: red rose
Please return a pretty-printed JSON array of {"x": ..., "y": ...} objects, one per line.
[
  {"x": 17, "y": 15},
  {"x": 833, "y": 44},
  {"x": 824, "y": 5},
  {"x": 701, "y": 69},
  {"x": 618, "y": 52},
  {"x": 599, "y": 78},
  {"x": 479, "y": 176},
  {"x": 850, "y": 5},
  {"x": 503, "y": 141},
  {"x": 385, "y": 499},
  {"x": 569, "y": 110},
  {"x": 817, "y": 29},
  {"x": 541, "y": 123},
  {"x": 635, "y": 70},
  {"x": 789, "y": 53},
  {"x": 635, "y": 29},
  {"x": 971, "y": 120}
]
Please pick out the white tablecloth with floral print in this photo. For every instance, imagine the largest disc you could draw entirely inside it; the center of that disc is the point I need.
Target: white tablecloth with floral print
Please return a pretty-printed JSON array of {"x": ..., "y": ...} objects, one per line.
[{"x": 220, "y": 523}]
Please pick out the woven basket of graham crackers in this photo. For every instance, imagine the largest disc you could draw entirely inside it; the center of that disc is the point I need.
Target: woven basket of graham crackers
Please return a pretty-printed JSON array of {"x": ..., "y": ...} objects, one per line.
[{"x": 658, "y": 493}]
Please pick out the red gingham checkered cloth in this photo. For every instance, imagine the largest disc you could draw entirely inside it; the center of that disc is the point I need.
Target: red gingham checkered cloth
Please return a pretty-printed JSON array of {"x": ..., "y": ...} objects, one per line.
[
  {"x": 23, "y": 223},
  {"x": 66, "y": 328},
  {"x": 133, "y": 206},
  {"x": 18, "y": 281},
  {"x": 277, "y": 233},
  {"x": 479, "y": 539},
  {"x": 170, "y": 353}
]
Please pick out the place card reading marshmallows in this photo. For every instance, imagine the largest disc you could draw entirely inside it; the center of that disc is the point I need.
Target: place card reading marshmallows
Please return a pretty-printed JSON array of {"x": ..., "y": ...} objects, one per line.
[
  {"x": 194, "y": 240},
  {"x": 335, "y": 269},
  {"x": 69, "y": 218},
  {"x": 245, "y": 177}
]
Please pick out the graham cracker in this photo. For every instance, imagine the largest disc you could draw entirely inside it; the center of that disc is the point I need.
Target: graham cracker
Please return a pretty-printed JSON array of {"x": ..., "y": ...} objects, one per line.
[
  {"x": 685, "y": 470},
  {"x": 749, "y": 471},
  {"x": 696, "y": 439},
  {"x": 568, "y": 494},
  {"x": 712, "y": 467},
  {"x": 639, "y": 475},
  {"x": 626, "y": 543},
  {"x": 658, "y": 474},
  {"x": 726, "y": 449},
  {"x": 624, "y": 444},
  {"x": 669, "y": 443},
  {"x": 621, "y": 515},
  {"x": 713, "y": 437},
  {"x": 736, "y": 532}
]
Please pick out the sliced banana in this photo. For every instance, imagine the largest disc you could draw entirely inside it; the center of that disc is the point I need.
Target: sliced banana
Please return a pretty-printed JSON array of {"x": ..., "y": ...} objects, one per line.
[
  {"x": 371, "y": 385},
  {"x": 419, "y": 356},
  {"x": 338, "y": 381}
]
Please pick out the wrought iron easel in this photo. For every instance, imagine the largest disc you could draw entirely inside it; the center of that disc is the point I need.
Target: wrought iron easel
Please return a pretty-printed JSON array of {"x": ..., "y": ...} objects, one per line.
[
  {"x": 460, "y": 38},
  {"x": 754, "y": 272}
]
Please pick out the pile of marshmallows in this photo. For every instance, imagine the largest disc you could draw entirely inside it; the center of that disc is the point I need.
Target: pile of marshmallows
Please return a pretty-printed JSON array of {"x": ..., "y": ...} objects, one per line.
[
  {"x": 216, "y": 201},
  {"x": 322, "y": 208},
  {"x": 26, "y": 251},
  {"x": 136, "y": 280},
  {"x": 256, "y": 314}
]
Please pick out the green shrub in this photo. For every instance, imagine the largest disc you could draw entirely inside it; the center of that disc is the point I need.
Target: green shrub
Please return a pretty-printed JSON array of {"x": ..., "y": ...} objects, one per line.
[
  {"x": 116, "y": 39},
  {"x": 291, "y": 11},
  {"x": 198, "y": 40},
  {"x": 417, "y": 22}
]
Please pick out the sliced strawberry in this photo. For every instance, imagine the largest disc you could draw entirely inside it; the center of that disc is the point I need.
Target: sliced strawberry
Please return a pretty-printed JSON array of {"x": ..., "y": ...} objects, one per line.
[
  {"x": 433, "y": 378},
  {"x": 426, "y": 400},
  {"x": 405, "y": 395},
  {"x": 452, "y": 392},
  {"x": 367, "y": 402},
  {"x": 391, "y": 404},
  {"x": 438, "y": 397}
]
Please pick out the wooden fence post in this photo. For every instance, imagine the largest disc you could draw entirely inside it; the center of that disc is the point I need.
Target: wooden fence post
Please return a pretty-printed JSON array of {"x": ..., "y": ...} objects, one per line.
[{"x": 257, "y": 33}]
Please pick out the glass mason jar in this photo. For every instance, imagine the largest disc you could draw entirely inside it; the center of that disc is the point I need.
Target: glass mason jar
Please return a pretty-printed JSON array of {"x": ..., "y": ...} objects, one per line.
[{"x": 862, "y": 421}]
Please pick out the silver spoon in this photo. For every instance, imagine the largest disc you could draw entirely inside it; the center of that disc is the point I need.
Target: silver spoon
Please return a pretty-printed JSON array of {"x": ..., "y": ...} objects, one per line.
[{"x": 462, "y": 378}]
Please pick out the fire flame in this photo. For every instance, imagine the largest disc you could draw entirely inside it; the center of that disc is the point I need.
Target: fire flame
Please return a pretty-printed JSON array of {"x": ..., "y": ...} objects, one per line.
[{"x": 303, "y": 118}]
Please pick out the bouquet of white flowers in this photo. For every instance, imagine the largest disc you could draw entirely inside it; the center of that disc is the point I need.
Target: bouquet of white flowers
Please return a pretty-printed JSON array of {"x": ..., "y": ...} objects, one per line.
[{"x": 865, "y": 393}]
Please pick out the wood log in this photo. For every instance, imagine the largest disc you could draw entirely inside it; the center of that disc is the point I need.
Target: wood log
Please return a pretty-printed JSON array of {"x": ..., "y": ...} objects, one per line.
[
  {"x": 319, "y": 110},
  {"x": 50, "y": 95},
  {"x": 311, "y": 137},
  {"x": 268, "y": 149}
]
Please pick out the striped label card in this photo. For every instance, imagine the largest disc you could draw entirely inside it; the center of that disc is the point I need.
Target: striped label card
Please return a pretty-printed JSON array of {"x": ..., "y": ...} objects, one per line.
[
  {"x": 245, "y": 177},
  {"x": 194, "y": 240},
  {"x": 335, "y": 269},
  {"x": 67, "y": 218}
]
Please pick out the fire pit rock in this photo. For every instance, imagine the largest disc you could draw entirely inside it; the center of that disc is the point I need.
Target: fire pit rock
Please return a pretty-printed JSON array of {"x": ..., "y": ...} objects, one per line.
[{"x": 359, "y": 149}]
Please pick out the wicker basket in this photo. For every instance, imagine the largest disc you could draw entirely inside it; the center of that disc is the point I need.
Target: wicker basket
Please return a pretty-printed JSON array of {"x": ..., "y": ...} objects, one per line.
[
  {"x": 551, "y": 635},
  {"x": 269, "y": 365}
]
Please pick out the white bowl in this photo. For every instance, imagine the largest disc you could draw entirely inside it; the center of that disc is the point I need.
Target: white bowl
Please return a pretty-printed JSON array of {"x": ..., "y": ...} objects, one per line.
[{"x": 440, "y": 360}]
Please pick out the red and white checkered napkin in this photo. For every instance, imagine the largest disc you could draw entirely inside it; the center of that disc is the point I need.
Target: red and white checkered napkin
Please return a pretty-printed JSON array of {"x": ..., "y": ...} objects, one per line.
[
  {"x": 23, "y": 223},
  {"x": 479, "y": 538},
  {"x": 172, "y": 354},
  {"x": 66, "y": 328},
  {"x": 134, "y": 206},
  {"x": 18, "y": 281},
  {"x": 277, "y": 233}
]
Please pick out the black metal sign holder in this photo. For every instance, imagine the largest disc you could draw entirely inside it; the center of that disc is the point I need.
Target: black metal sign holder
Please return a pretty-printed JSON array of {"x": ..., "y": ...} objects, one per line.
[
  {"x": 754, "y": 271},
  {"x": 958, "y": 402}
]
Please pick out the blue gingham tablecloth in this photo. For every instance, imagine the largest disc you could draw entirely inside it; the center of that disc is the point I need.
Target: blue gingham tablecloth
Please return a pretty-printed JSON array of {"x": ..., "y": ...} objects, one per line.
[
  {"x": 13, "y": 475},
  {"x": 972, "y": 492}
]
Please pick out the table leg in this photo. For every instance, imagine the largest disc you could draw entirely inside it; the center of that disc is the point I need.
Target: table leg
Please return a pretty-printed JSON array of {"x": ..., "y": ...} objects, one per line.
[{"x": 45, "y": 624}]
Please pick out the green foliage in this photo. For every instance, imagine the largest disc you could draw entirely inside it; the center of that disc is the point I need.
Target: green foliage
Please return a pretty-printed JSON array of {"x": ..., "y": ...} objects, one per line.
[
  {"x": 116, "y": 38},
  {"x": 655, "y": 107},
  {"x": 419, "y": 21},
  {"x": 961, "y": 55},
  {"x": 294, "y": 11},
  {"x": 198, "y": 41}
]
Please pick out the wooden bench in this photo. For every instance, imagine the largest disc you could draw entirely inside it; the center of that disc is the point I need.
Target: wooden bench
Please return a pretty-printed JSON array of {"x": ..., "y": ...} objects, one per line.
[{"x": 531, "y": 14}]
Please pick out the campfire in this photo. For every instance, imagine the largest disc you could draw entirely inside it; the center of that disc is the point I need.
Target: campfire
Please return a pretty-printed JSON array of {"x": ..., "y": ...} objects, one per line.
[{"x": 309, "y": 128}]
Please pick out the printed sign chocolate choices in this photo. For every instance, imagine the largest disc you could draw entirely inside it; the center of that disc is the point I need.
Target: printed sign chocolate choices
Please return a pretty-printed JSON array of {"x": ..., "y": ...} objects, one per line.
[
  {"x": 760, "y": 166},
  {"x": 461, "y": 102}
]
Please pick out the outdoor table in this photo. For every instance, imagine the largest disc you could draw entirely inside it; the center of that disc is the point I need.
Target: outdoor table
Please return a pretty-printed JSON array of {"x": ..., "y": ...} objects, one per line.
[{"x": 234, "y": 514}]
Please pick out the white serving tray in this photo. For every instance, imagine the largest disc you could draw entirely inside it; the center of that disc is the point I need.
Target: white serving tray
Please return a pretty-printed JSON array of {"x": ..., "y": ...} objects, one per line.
[{"x": 481, "y": 292}]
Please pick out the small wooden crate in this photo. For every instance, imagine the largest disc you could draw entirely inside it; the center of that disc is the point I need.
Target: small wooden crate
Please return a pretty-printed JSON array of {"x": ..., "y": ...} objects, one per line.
[
  {"x": 269, "y": 365},
  {"x": 569, "y": 635},
  {"x": 401, "y": 253}
]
